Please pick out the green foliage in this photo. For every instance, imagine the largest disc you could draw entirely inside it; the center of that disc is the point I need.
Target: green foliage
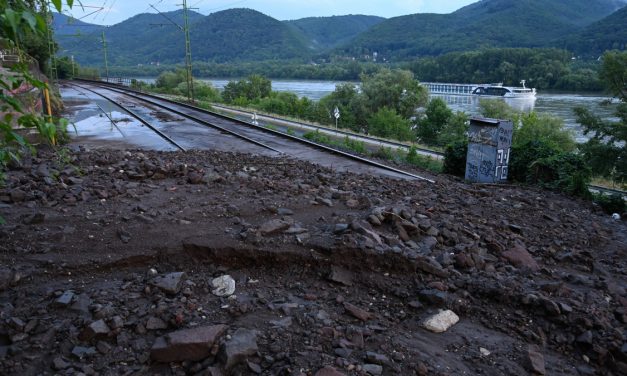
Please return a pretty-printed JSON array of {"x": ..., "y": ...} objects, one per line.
[
  {"x": 65, "y": 68},
  {"x": 355, "y": 145},
  {"x": 606, "y": 149},
  {"x": 614, "y": 73},
  {"x": 253, "y": 88},
  {"x": 497, "y": 109},
  {"x": 384, "y": 153},
  {"x": 394, "y": 89},
  {"x": 484, "y": 24},
  {"x": 413, "y": 158},
  {"x": 347, "y": 144},
  {"x": 611, "y": 204},
  {"x": 388, "y": 124},
  {"x": 523, "y": 155},
  {"x": 455, "y": 159},
  {"x": 326, "y": 32},
  {"x": 565, "y": 172},
  {"x": 437, "y": 115},
  {"x": 21, "y": 20},
  {"x": 171, "y": 80},
  {"x": 609, "y": 33},
  {"x": 455, "y": 130},
  {"x": 542, "y": 68},
  {"x": 544, "y": 128}
]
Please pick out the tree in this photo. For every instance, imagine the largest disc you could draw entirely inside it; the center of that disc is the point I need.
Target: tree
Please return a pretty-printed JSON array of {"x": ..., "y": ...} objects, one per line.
[
  {"x": 455, "y": 130},
  {"x": 545, "y": 128},
  {"x": 614, "y": 73},
  {"x": 394, "y": 89},
  {"x": 606, "y": 151},
  {"x": 387, "y": 123},
  {"x": 437, "y": 115},
  {"x": 252, "y": 88}
]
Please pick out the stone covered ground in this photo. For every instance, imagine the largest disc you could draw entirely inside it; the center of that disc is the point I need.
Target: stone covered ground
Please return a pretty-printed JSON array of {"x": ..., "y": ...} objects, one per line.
[{"x": 108, "y": 260}]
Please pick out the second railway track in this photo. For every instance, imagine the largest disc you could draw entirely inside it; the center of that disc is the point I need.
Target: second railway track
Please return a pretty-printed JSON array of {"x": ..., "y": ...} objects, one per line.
[{"x": 268, "y": 139}]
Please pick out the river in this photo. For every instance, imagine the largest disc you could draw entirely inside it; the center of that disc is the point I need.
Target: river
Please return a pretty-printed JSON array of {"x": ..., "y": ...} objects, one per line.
[{"x": 556, "y": 104}]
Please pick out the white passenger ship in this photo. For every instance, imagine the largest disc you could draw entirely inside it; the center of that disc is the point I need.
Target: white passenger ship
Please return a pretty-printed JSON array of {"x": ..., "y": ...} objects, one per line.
[
  {"x": 494, "y": 90},
  {"x": 498, "y": 90}
]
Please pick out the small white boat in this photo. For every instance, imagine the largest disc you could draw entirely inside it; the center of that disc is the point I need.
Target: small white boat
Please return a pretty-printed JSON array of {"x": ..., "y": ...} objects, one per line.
[{"x": 498, "y": 90}]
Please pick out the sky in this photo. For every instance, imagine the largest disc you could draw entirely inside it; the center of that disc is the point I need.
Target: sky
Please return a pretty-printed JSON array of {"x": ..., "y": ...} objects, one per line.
[{"x": 115, "y": 11}]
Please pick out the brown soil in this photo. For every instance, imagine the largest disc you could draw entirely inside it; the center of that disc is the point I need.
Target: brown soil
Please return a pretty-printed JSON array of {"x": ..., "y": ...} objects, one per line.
[{"x": 331, "y": 269}]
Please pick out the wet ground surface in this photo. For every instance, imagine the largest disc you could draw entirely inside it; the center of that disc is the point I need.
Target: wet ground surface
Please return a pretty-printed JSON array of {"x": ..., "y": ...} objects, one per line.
[
  {"x": 108, "y": 260},
  {"x": 190, "y": 134}
]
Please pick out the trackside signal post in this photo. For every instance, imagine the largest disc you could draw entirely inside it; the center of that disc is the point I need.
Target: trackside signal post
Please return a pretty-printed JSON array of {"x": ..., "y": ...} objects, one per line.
[{"x": 489, "y": 148}]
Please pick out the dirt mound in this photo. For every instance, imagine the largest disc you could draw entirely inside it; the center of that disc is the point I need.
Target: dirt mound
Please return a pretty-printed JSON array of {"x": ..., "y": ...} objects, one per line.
[{"x": 110, "y": 262}]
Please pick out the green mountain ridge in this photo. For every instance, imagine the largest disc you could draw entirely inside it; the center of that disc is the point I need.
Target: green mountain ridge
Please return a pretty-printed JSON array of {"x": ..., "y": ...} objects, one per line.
[
  {"x": 328, "y": 32},
  {"x": 230, "y": 35},
  {"x": 609, "y": 33},
  {"x": 245, "y": 35},
  {"x": 487, "y": 23}
]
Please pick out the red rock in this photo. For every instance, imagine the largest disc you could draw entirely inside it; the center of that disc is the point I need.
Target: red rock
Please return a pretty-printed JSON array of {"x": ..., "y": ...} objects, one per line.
[
  {"x": 520, "y": 257},
  {"x": 188, "y": 344},
  {"x": 358, "y": 312},
  {"x": 328, "y": 371},
  {"x": 536, "y": 360}
]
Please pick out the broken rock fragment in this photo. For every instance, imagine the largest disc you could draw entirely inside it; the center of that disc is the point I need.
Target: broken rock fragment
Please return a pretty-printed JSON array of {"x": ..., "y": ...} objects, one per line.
[
  {"x": 223, "y": 286},
  {"x": 441, "y": 322},
  {"x": 187, "y": 344},
  {"x": 170, "y": 283},
  {"x": 242, "y": 344},
  {"x": 520, "y": 258}
]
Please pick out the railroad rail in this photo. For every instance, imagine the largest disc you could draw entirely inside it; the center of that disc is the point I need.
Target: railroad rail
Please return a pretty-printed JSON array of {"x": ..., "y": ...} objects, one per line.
[
  {"x": 126, "y": 83},
  {"x": 197, "y": 120},
  {"x": 137, "y": 117},
  {"x": 154, "y": 100},
  {"x": 356, "y": 136}
]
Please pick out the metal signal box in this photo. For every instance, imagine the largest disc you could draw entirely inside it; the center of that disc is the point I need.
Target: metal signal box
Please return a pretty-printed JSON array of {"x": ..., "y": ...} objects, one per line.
[{"x": 489, "y": 147}]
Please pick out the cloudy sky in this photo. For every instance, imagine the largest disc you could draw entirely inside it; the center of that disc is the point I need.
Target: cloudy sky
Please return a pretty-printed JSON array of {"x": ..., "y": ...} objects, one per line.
[{"x": 115, "y": 11}]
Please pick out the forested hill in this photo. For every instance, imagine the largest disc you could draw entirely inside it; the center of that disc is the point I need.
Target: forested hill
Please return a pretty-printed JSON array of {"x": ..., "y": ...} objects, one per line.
[
  {"x": 68, "y": 26},
  {"x": 487, "y": 23},
  {"x": 609, "y": 33},
  {"x": 245, "y": 35},
  {"x": 327, "y": 32}
]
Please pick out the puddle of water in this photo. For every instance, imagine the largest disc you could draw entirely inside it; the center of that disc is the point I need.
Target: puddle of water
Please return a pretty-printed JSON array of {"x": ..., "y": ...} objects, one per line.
[{"x": 89, "y": 123}]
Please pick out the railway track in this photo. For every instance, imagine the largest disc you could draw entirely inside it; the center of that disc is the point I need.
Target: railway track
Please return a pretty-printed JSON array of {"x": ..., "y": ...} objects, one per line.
[
  {"x": 286, "y": 144},
  {"x": 332, "y": 131}
]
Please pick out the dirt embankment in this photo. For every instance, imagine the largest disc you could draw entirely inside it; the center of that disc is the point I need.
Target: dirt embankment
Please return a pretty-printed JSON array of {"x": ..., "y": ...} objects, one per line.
[{"x": 108, "y": 261}]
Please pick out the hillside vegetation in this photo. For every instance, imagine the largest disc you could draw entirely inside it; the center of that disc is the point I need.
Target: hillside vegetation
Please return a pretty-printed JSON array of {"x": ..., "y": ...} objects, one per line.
[
  {"x": 327, "y": 32},
  {"x": 487, "y": 23},
  {"x": 587, "y": 27},
  {"x": 608, "y": 34}
]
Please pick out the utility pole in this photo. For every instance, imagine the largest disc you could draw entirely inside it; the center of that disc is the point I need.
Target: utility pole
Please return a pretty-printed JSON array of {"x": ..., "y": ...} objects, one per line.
[
  {"x": 53, "y": 74},
  {"x": 104, "y": 47},
  {"x": 188, "y": 47},
  {"x": 188, "y": 55},
  {"x": 73, "y": 72}
]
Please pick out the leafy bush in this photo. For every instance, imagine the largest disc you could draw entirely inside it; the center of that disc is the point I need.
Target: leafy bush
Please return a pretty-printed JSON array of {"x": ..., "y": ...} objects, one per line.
[
  {"x": 455, "y": 130},
  {"x": 523, "y": 156},
  {"x": 387, "y": 123},
  {"x": 384, "y": 153},
  {"x": 355, "y": 145},
  {"x": 565, "y": 172},
  {"x": 437, "y": 115},
  {"x": 610, "y": 203},
  {"x": 455, "y": 158},
  {"x": 545, "y": 128}
]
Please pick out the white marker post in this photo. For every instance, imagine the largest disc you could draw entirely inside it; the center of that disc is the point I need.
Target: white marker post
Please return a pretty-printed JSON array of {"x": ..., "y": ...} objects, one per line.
[{"x": 336, "y": 114}]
